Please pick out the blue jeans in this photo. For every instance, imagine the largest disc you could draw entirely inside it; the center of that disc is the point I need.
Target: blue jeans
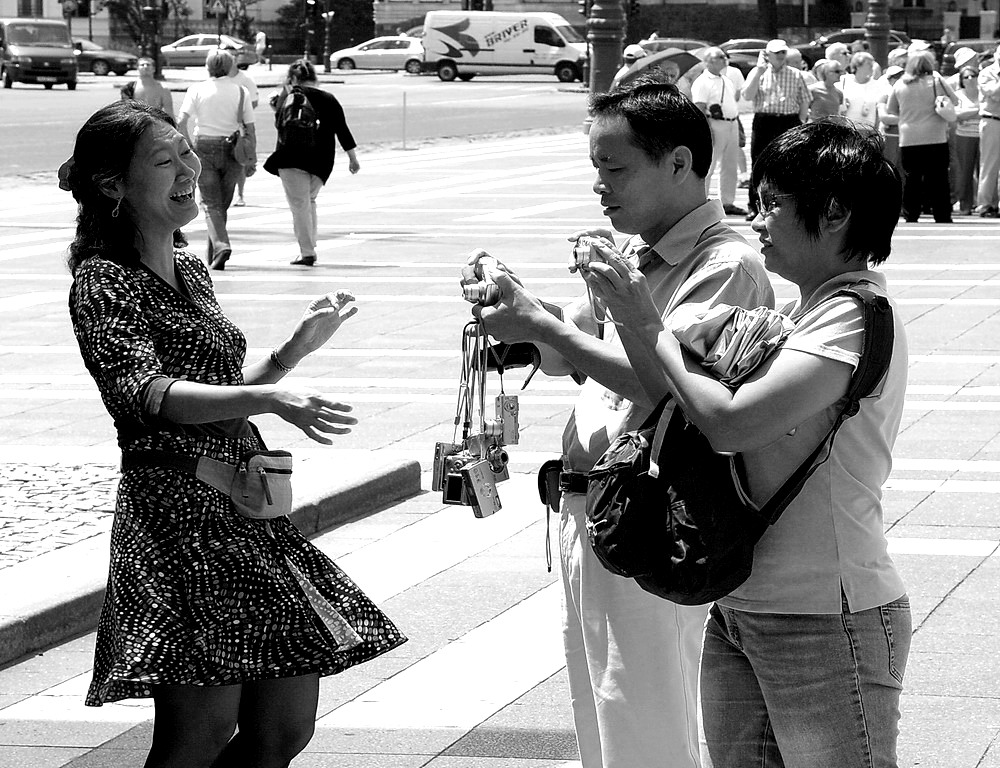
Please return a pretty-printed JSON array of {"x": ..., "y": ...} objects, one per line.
[
  {"x": 804, "y": 690},
  {"x": 217, "y": 183}
]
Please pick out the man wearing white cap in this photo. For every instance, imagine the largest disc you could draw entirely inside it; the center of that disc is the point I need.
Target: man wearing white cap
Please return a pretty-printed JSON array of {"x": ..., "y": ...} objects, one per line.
[
  {"x": 630, "y": 56},
  {"x": 989, "y": 138},
  {"x": 716, "y": 92},
  {"x": 780, "y": 102}
]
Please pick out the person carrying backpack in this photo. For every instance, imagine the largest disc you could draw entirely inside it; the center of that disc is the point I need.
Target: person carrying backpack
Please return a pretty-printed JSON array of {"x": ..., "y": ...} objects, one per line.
[{"x": 308, "y": 119}]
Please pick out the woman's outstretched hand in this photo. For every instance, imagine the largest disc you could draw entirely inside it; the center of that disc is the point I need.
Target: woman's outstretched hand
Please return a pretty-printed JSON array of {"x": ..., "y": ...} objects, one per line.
[
  {"x": 322, "y": 318},
  {"x": 313, "y": 413}
]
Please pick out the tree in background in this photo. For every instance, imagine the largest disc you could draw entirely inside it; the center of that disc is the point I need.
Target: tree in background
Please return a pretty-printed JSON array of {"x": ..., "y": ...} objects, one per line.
[
  {"x": 176, "y": 13},
  {"x": 238, "y": 21},
  {"x": 768, "y": 12},
  {"x": 352, "y": 23}
]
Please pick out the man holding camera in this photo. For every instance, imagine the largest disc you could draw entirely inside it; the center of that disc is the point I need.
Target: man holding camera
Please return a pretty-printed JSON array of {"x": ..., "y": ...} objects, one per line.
[
  {"x": 632, "y": 658},
  {"x": 716, "y": 92}
]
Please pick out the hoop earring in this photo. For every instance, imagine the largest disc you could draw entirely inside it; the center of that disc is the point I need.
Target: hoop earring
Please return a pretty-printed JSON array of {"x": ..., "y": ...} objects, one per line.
[{"x": 114, "y": 213}]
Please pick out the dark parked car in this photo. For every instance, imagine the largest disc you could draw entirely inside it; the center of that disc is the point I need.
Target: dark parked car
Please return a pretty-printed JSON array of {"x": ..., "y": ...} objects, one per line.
[
  {"x": 90, "y": 57},
  {"x": 813, "y": 52},
  {"x": 985, "y": 47}
]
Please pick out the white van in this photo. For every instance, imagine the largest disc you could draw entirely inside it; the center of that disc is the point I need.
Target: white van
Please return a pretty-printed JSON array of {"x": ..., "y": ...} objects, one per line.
[{"x": 463, "y": 44}]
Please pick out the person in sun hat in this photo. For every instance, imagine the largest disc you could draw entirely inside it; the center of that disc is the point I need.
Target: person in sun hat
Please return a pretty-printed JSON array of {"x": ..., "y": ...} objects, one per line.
[{"x": 964, "y": 57}]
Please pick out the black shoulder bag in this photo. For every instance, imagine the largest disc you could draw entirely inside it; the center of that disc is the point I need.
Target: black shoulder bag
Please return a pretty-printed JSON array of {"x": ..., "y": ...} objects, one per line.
[{"x": 682, "y": 526}]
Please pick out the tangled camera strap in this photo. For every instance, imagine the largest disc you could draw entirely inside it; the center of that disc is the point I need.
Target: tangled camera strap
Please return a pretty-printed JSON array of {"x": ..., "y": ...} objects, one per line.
[{"x": 476, "y": 351}]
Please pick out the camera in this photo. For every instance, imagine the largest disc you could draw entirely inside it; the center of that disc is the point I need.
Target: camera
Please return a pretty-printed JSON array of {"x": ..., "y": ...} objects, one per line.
[
  {"x": 715, "y": 112},
  {"x": 485, "y": 292},
  {"x": 584, "y": 252},
  {"x": 467, "y": 473}
]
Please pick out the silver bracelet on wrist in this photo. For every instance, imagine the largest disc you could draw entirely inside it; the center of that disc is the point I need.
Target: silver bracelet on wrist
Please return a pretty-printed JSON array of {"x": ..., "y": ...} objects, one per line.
[{"x": 276, "y": 361}]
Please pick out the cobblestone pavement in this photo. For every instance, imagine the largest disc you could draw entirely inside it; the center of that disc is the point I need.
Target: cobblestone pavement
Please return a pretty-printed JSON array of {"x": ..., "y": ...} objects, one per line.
[{"x": 46, "y": 508}]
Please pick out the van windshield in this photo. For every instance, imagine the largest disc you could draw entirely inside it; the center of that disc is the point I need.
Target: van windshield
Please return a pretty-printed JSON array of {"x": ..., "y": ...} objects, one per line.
[
  {"x": 38, "y": 34},
  {"x": 569, "y": 34}
]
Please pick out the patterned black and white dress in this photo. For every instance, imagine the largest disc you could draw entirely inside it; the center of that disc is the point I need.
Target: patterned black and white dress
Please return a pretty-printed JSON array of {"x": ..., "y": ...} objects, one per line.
[{"x": 198, "y": 594}]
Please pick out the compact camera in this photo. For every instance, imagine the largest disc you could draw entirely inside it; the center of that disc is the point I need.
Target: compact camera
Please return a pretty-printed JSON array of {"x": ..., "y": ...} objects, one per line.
[
  {"x": 715, "y": 112},
  {"x": 584, "y": 252},
  {"x": 485, "y": 292},
  {"x": 467, "y": 473}
]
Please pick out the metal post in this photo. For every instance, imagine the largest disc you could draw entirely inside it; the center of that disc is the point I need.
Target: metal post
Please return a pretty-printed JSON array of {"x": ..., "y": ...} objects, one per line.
[
  {"x": 877, "y": 30},
  {"x": 605, "y": 33},
  {"x": 327, "y": 23},
  {"x": 151, "y": 15},
  {"x": 404, "y": 120}
]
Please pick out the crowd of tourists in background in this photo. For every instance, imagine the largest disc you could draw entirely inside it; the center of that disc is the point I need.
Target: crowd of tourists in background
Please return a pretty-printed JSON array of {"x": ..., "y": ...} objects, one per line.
[{"x": 943, "y": 133}]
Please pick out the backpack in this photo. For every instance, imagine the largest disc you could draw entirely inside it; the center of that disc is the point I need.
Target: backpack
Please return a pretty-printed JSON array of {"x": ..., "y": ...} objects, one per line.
[
  {"x": 665, "y": 509},
  {"x": 296, "y": 121}
]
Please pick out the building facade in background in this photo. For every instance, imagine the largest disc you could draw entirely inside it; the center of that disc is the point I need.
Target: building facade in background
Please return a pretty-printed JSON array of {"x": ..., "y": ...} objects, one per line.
[{"x": 713, "y": 20}]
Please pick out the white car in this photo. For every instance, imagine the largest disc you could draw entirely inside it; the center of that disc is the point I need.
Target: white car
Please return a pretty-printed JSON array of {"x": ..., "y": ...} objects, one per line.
[
  {"x": 191, "y": 51},
  {"x": 393, "y": 52}
]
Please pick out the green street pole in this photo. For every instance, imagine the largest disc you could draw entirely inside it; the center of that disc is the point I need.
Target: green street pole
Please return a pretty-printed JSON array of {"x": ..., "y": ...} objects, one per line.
[{"x": 877, "y": 30}]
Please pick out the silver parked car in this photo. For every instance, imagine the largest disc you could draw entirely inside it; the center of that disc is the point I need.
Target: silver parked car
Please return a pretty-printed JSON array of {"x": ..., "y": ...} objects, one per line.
[
  {"x": 392, "y": 52},
  {"x": 191, "y": 51}
]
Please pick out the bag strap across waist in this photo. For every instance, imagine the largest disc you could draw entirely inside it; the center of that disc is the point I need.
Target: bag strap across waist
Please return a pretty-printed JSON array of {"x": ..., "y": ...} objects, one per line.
[{"x": 137, "y": 459}]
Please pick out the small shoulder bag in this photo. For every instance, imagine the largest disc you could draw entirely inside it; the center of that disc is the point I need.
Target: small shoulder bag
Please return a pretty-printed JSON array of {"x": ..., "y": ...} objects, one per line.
[
  {"x": 259, "y": 484},
  {"x": 243, "y": 146},
  {"x": 943, "y": 106},
  {"x": 665, "y": 509}
]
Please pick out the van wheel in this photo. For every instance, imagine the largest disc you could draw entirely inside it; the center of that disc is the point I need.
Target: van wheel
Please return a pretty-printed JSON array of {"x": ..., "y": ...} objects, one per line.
[
  {"x": 345, "y": 64},
  {"x": 413, "y": 67},
  {"x": 71, "y": 85},
  {"x": 48, "y": 86},
  {"x": 447, "y": 71},
  {"x": 566, "y": 73},
  {"x": 7, "y": 81},
  {"x": 100, "y": 68},
  {"x": 466, "y": 76}
]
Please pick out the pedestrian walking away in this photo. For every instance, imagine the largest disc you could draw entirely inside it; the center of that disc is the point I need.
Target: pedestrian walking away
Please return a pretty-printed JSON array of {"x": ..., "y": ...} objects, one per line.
[
  {"x": 716, "y": 92},
  {"x": 225, "y": 616},
  {"x": 147, "y": 89},
  {"x": 803, "y": 663},
  {"x": 214, "y": 107},
  {"x": 923, "y": 137},
  {"x": 310, "y": 121},
  {"x": 780, "y": 101},
  {"x": 632, "y": 658},
  {"x": 988, "y": 197}
]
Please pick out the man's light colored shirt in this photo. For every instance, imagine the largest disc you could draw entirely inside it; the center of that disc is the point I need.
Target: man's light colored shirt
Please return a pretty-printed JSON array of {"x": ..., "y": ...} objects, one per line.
[{"x": 700, "y": 261}]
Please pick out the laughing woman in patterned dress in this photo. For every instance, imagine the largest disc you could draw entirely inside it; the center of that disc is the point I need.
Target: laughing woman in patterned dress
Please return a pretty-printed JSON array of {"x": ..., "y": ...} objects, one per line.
[{"x": 225, "y": 621}]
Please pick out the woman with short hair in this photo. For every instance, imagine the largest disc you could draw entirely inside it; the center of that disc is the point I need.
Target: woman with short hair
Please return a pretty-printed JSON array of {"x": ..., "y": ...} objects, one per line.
[
  {"x": 825, "y": 96},
  {"x": 802, "y": 664}
]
